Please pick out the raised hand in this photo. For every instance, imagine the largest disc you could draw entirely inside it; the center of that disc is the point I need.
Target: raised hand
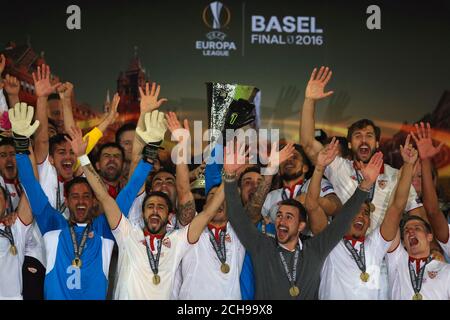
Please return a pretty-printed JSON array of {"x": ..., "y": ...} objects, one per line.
[
  {"x": 42, "y": 85},
  {"x": 76, "y": 141},
  {"x": 155, "y": 128},
  {"x": 11, "y": 85},
  {"x": 65, "y": 90},
  {"x": 235, "y": 157},
  {"x": 328, "y": 154},
  {"x": 174, "y": 125},
  {"x": 424, "y": 143},
  {"x": 149, "y": 98},
  {"x": 112, "y": 115},
  {"x": 408, "y": 152},
  {"x": 371, "y": 170},
  {"x": 278, "y": 157},
  {"x": 20, "y": 117},
  {"x": 315, "y": 89}
]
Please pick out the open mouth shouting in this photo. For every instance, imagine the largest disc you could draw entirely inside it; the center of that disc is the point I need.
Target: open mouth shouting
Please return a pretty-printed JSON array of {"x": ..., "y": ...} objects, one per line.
[
  {"x": 358, "y": 225},
  {"x": 67, "y": 166},
  {"x": 413, "y": 241},
  {"x": 364, "y": 151},
  {"x": 282, "y": 232}
]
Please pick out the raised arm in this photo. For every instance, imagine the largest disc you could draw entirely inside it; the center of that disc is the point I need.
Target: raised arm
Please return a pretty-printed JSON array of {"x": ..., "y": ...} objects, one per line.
[
  {"x": 149, "y": 102},
  {"x": 65, "y": 94},
  {"x": 46, "y": 216},
  {"x": 391, "y": 222},
  {"x": 111, "y": 116},
  {"x": 314, "y": 92},
  {"x": 43, "y": 89},
  {"x": 12, "y": 88},
  {"x": 246, "y": 231},
  {"x": 317, "y": 218},
  {"x": 110, "y": 206},
  {"x": 200, "y": 221},
  {"x": 186, "y": 203},
  {"x": 427, "y": 151},
  {"x": 329, "y": 238}
]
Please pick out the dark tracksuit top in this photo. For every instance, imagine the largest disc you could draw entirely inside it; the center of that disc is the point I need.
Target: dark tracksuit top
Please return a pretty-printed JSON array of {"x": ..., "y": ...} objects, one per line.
[{"x": 271, "y": 282}]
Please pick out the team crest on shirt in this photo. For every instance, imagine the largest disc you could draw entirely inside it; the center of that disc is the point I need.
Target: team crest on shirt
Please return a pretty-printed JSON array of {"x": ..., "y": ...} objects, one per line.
[
  {"x": 228, "y": 237},
  {"x": 91, "y": 234},
  {"x": 382, "y": 183},
  {"x": 166, "y": 242},
  {"x": 432, "y": 274},
  {"x": 353, "y": 177}
]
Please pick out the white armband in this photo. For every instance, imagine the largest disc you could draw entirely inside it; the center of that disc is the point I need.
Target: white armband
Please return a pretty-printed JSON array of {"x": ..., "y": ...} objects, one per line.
[{"x": 84, "y": 160}]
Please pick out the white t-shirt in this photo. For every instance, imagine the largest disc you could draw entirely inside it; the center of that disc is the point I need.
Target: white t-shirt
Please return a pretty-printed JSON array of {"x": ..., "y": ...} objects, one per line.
[
  {"x": 446, "y": 246},
  {"x": 270, "y": 204},
  {"x": 48, "y": 179},
  {"x": 201, "y": 277},
  {"x": 340, "y": 277},
  {"x": 342, "y": 176},
  {"x": 436, "y": 278},
  {"x": 134, "y": 274},
  {"x": 10, "y": 265}
]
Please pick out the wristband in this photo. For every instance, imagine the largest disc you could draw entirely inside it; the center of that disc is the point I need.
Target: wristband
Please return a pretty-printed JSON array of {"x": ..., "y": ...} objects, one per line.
[{"x": 84, "y": 160}]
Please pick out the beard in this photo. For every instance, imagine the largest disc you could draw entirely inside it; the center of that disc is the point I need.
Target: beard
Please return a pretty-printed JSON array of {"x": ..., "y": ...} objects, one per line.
[
  {"x": 292, "y": 176},
  {"x": 153, "y": 230},
  {"x": 111, "y": 176},
  {"x": 371, "y": 153}
]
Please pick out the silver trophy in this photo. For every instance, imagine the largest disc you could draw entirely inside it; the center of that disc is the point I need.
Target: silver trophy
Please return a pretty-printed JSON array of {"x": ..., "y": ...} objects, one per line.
[{"x": 239, "y": 98}]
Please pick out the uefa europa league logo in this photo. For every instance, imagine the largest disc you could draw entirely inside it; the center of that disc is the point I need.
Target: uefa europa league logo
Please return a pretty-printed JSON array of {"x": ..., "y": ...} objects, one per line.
[{"x": 216, "y": 16}]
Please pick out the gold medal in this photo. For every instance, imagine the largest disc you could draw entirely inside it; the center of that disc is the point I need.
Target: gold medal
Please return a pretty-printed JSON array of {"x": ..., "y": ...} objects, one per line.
[
  {"x": 76, "y": 262},
  {"x": 417, "y": 296},
  {"x": 13, "y": 250},
  {"x": 294, "y": 291},
  {"x": 364, "y": 276},
  {"x": 156, "y": 279},
  {"x": 225, "y": 268}
]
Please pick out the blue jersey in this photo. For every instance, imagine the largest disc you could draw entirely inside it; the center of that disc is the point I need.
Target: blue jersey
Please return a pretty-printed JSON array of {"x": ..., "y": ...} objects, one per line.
[
  {"x": 64, "y": 281},
  {"x": 247, "y": 277}
]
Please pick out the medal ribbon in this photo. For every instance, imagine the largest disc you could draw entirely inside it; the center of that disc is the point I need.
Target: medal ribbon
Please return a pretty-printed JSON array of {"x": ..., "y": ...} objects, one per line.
[
  {"x": 360, "y": 258},
  {"x": 79, "y": 249},
  {"x": 416, "y": 281},
  {"x": 7, "y": 233},
  {"x": 60, "y": 204},
  {"x": 291, "y": 277},
  {"x": 219, "y": 248},
  {"x": 154, "y": 261}
]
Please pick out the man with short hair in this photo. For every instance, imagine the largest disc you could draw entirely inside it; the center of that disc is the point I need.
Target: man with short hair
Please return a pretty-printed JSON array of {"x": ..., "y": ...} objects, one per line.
[
  {"x": 294, "y": 174},
  {"x": 352, "y": 269},
  {"x": 148, "y": 257},
  {"x": 413, "y": 273},
  {"x": 285, "y": 267},
  {"x": 78, "y": 251},
  {"x": 363, "y": 139}
]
